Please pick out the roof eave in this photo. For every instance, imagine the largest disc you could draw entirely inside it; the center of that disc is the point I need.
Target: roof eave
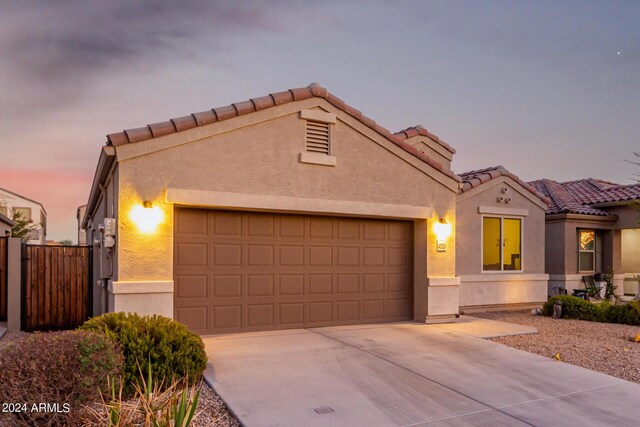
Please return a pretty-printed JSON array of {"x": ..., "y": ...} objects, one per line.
[{"x": 106, "y": 160}]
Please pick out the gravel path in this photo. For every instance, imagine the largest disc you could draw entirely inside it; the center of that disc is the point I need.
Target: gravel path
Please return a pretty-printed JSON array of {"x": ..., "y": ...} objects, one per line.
[{"x": 602, "y": 347}]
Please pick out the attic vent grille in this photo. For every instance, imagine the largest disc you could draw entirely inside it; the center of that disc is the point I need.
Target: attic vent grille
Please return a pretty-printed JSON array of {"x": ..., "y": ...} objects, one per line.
[{"x": 318, "y": 137}]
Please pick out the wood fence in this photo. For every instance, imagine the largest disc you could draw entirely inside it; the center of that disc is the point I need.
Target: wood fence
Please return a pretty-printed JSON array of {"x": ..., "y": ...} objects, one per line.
[
  {"x": 56, "y": 286},
  {"x": 3, "y": 277}
]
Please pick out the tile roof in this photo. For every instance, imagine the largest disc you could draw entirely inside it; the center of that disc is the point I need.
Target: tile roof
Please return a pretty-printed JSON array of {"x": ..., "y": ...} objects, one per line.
[
  {"x": 582, "y": 196},
  {"x": 219, "y": 114},
  {"x": 478, "y": 177},
  {"x": 419, "y": 130}
]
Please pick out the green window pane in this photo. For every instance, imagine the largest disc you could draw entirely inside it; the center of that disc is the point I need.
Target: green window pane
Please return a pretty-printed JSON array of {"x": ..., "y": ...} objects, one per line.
[
  {"x": 512, "y": 245},
  {"x": 585, "y": 261},
  {"x": 491, "y": 244}
]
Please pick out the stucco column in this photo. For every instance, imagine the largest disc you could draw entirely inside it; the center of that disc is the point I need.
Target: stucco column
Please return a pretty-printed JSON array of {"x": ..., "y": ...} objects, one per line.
[
  {"x": 442, "y": 285},
  {"x": 14, "y": 284}
]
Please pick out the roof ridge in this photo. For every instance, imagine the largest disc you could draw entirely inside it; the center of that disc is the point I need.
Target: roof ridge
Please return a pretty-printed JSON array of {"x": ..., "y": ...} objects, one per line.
[
  {"x": 236, "y": 109},
  {"x": 416, "y": 130},
  {"x": 23, "y": 197},
  {"x": 478, "y": 177}
]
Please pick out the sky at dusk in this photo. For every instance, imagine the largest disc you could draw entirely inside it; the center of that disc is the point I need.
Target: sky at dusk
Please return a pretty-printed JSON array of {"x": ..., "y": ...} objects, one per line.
[{"x": 546, "y": 88}]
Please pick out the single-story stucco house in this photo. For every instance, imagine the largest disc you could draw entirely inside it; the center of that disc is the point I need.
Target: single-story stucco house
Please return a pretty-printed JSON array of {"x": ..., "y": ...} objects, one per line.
[
  {"x": 500, "y": 240},
  {"x": 592, "y": 226},
  {"x": 294, "y": 210}
]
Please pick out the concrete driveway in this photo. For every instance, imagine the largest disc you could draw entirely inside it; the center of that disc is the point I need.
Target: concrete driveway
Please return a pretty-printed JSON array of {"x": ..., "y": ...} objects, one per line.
[{"x": 407, "y": 374}]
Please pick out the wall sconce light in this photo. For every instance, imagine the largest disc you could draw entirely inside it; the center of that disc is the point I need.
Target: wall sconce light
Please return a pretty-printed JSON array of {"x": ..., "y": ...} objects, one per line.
[
  {"x": 146, "y": 217},
  {"x": 442, "y": 230}
]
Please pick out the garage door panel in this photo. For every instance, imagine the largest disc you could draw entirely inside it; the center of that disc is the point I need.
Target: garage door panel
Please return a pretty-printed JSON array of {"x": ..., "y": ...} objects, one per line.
[
  {"x": 191, "y": 286},
  {"x": 320, "y": 312},
  {"x": 191, "y": 254},
  {"x": 259, "y": 271},
  {"x": 291, "y": 256},
  {"x": 227, "y": 255},
  {"x": 226, "y": 224},
  {"x": 227, "y": 317},
  {"x": 260, "y": 285},
  {"x": 291, "y": 285}
]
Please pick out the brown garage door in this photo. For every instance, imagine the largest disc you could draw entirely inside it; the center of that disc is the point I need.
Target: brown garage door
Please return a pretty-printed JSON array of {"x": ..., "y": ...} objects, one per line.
[{"x": 245, "y": 271}]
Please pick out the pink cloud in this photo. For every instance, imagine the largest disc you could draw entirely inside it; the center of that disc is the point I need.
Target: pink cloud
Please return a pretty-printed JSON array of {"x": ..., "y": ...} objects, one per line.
[{"x": 59, "y": 191}]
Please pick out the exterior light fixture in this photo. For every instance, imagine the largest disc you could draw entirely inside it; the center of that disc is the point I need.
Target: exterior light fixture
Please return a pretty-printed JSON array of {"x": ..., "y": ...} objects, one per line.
[
  {"x": 146, "y": 217},
  {"x": 442, "y": 230}
]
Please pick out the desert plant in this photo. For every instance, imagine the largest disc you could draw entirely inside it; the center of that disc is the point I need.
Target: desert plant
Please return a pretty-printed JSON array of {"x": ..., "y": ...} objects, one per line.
[
  {"x": 153, "y": 405},
  {"x": 63, "y": 369},
  {"x": 167, "y": 346}
]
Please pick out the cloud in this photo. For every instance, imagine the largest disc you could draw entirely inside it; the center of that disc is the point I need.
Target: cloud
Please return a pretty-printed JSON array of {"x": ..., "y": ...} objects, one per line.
[{"x": 56, "y": 48}]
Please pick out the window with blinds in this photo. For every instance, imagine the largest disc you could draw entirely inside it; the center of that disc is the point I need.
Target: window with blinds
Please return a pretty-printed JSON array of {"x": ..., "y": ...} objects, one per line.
[{"x": 317, "y": 137}]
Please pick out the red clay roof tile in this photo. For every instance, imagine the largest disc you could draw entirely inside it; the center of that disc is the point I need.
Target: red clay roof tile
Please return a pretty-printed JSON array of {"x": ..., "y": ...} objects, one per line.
[
  {"x": 263, "y": 102},
  {"x": 205, "y": 117},
  {"x": 478, "y": 177},
  {"x": 280, "y": 98},
  {"x": 584, "y": 195},
  {"x": 184, "y": 123},
  {"x": 419, "y": 130},
  {"x": 244, "y": 107},
  {"x": 256, "y": 104},
  {"x": 162, "y": 129},
  {"x": 139, "y": 134},
  {"x": 226, "y": 112}
]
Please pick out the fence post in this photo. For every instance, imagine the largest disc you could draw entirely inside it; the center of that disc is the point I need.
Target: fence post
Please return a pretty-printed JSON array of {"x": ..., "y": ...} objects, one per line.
[{"x": 14, "y": 284}]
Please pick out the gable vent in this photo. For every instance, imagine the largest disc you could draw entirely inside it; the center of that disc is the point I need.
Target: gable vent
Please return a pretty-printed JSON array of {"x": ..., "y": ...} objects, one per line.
[{"x": 318, "y": 137}]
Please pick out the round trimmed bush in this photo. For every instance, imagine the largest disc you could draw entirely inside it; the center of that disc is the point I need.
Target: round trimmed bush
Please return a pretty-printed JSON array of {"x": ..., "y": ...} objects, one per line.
[{"x": 173, "y": 350}]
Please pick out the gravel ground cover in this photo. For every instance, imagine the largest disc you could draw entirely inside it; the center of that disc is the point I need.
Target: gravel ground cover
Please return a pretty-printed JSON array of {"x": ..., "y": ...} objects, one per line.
[
  {"x": 602, "y": 347},
  {"x": 212, "y": 411}
]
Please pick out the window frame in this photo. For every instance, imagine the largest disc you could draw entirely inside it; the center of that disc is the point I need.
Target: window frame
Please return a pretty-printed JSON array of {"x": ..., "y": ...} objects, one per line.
[
  {"x": 501, "y": 218},
  {"x": 28, "y": 209},
  {"x": 580, "y": 251}
]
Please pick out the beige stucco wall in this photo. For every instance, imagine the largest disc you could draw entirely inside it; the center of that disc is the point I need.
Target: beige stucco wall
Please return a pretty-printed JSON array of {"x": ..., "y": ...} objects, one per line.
[
  {"x": 562, "y": 235},
  {"x": 480, "y": 288},
  {"x": 259, "y": 154}
]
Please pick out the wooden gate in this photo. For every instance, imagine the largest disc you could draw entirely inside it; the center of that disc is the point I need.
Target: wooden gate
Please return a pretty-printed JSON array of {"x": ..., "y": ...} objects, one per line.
[
  {"x": 56, "y": 286},
  {"x": 3, "y": 277}
]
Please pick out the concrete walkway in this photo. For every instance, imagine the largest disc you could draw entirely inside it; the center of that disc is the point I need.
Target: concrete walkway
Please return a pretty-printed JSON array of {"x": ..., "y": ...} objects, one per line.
[{"x": 408, "y": 374}]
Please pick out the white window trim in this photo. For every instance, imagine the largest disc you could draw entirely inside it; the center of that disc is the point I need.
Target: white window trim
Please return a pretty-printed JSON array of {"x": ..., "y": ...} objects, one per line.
[{"x": 501, "y": 217}]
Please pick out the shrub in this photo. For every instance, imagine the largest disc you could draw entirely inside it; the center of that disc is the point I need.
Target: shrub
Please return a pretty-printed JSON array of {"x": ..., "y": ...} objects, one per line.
[
  {"x": 577, "y": 308},
  {"x": 66, "y": 369},
  {"x": 574, "y": 308},
  {"x": 626, "y": 313},
  {"x": 173, "y": 351}
]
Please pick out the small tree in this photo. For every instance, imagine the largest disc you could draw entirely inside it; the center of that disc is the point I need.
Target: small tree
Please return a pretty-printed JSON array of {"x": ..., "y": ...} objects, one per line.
[
  {"x": 23, "y": 226},
  {"x": 636, "y": 175},
  {"x": 66, "y": 242}
]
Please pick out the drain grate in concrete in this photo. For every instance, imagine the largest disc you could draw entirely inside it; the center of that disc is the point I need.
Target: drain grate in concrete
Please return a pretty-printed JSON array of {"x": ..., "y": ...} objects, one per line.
[{"x": 323, "y": 410}]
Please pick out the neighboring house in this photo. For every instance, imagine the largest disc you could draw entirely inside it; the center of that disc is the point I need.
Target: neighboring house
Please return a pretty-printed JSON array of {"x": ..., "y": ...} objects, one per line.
[
  {"x": 11, "y": 202},
  {"x": 82, "y": 233},
  {"x": 285, "y": 211},
  {"x": 592, "y": 226},
  {"x": 500, "y": 240},
  {"x": 5, "y": 226}
]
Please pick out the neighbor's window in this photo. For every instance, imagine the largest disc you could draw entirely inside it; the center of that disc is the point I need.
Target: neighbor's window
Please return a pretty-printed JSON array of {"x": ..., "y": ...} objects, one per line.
[
  {"x": 586, "y": 250},
  {"x": 25, "y": 213},
  {"x": 501, "y": 244}
]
